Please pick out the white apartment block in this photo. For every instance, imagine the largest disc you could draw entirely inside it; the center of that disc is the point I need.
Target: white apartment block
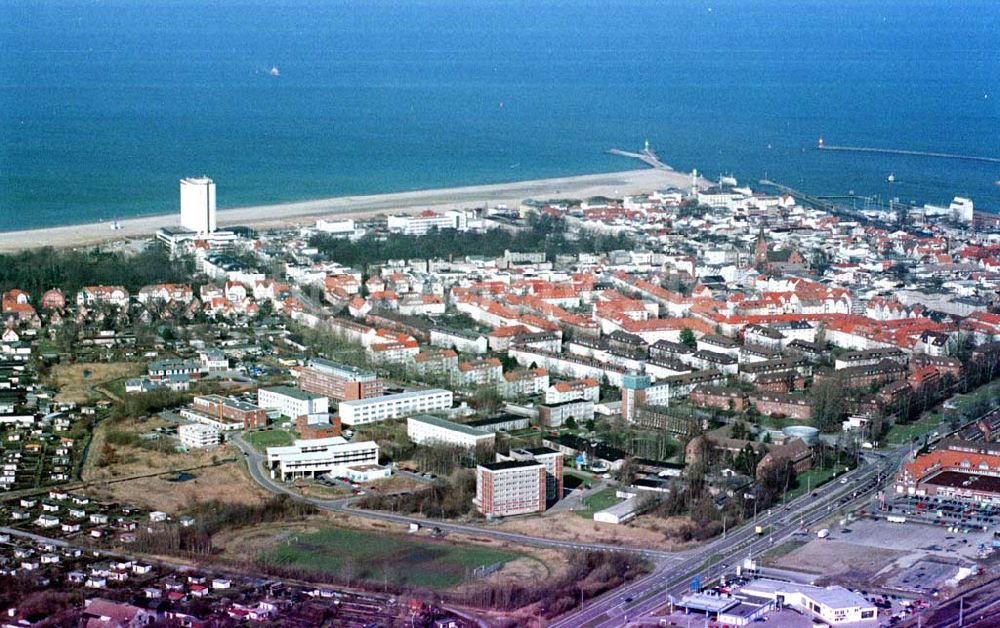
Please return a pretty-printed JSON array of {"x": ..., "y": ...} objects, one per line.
[
  {"x": 198, "y": 204},
  {"x": 511, "y": 487},
  {"x": 425, "y": 429},
  {"x": 361, "y": 411},
  {"x": 561, "y": 392},
  {"x": 292, "y": 402},
  {"x": 198, "y": 436},
  {"x": 319, "y": 456}
]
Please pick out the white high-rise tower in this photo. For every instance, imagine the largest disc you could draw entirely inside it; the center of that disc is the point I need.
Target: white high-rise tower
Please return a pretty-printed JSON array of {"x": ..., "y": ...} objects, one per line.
[{"x": 198, "y": 204}]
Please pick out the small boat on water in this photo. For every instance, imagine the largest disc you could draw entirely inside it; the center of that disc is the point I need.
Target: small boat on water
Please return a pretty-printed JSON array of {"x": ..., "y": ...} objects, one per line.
[{"x": 274, "y": 71}]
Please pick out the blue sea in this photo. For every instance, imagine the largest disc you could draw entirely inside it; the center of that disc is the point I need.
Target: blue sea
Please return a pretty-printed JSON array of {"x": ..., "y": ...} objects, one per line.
[{"x": 104, "y": 105}]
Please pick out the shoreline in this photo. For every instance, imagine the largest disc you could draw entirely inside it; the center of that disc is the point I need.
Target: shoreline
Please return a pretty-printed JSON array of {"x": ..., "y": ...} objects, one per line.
[{"x": 288, "y": 215}]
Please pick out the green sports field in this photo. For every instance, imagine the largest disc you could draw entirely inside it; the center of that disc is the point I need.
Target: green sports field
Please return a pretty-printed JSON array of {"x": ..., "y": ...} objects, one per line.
[{"x": 398, "y": 559}]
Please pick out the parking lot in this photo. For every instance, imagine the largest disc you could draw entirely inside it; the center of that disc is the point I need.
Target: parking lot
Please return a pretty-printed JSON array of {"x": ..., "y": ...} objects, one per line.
[
  {"x": 913, "y": 538},
  {"x": 947, "y": 512}
]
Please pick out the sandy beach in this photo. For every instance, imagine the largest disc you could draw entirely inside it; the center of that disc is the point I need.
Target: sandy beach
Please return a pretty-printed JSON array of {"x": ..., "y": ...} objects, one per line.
[{"x": 614, "y": 184}]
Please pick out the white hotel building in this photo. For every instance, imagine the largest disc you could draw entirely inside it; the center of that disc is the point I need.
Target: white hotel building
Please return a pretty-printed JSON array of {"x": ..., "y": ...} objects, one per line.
[
  {"x": 361, "y": 411},
  {"x": 319, "y": 456},
  {"x": 425, "y": 221},
  {"x": 198, "y": 204}
]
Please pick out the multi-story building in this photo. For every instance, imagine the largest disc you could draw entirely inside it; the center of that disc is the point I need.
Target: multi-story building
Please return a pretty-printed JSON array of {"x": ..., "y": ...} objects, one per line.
[
  {"x": 560, "y": 392},
  {"x": 957, "y": 469},
  {"x": 427, "y": 221},
  {"x": 312, "y": 458},
  {"x": 502, "y": 423},
  {"x": 197, "y": 435},
  {"x": 782, "y": 404},
  {"x": 166, "y": 293},
  {"x": 638, "y": 390},
  {"x": 425, "y": 429},
  {"x": 228, "y": 409},
  {"x": 556, "y": 414},
  {"x": 553, "y": 461},
  {"x": 524, "y": 383},
  {"x": 164, "y": 369},
  {"x": 292, "y": 402},
  {"x": 322, "y": 425},
  {"x": 103, "y": 295},
  {"x": 338, "y": 381},
  {"x": 480, "y": 372},
  {"x": 870, "y": 357},
  {"x": 198, "y": 204},
  {"x": 462, "y": 341},
  {"x": 360, "y": 411},
  {"x": 511, "y": 487},
  {"x": 435, "y": 361}
]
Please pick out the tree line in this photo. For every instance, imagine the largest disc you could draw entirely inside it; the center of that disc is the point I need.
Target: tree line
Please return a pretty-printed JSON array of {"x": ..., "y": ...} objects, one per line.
[
  {"x": 214, "y": 516},
  {"x": 37, "y": 270},
  {"x": 544, "y": 233}
]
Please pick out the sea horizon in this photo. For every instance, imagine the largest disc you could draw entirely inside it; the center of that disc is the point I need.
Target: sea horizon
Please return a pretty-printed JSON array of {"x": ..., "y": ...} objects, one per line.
[{"x": 107, "y": 105}]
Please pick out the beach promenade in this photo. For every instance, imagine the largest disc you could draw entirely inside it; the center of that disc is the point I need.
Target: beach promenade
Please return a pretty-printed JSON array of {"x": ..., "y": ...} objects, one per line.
[{"x": 614, "y": 184}]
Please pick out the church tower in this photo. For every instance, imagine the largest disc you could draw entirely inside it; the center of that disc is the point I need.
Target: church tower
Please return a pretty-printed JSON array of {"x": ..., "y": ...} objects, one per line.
[{"x": 760, "y": 251}]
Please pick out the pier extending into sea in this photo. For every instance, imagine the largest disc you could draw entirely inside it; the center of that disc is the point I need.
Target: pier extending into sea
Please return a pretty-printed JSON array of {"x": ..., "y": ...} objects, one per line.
[
  {"x": 646, "y": 155},
  {"x": 901, "y": 151}
]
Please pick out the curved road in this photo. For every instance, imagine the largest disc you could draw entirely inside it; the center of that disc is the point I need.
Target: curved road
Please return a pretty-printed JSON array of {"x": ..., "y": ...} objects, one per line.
[
  {"x": 672, "y": 571},
  {"x": 255, "y": 461}
]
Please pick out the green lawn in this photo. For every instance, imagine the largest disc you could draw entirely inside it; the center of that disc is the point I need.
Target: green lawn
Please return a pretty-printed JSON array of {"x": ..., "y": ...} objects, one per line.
[
  {"x": 585, "y": 477},
  {"x": 270, "y": 438},
  {"x": 359, "y": 555},
  {"x": 808, "y": 481},
  {"x": 905, "y": 432},
  {"x": 598, "y": 501}
]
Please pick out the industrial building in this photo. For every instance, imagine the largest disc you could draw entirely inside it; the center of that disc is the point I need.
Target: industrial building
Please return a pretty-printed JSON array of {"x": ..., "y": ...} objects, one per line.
[
  {"x": 425, "y": 429},
  {"x": 833, "y": 605},
  {"x": 360, "y": 411}
]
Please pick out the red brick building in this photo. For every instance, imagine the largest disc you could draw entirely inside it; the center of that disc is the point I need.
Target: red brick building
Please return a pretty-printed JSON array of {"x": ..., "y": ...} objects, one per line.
[
  {"x": 718, "y": 397},
  {"x": 782, "y": 404},
  {"x": 250, "y": 415},
  {"x": 338, "y": 381},
  {"x": 511, "y": 487},
  {"x": 781, "y": 382},
  {"x": 309, "y": 430}
]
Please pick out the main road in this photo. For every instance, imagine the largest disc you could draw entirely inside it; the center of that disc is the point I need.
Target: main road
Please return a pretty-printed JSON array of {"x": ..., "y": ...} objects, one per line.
[{"x": 710, "y": 561}]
